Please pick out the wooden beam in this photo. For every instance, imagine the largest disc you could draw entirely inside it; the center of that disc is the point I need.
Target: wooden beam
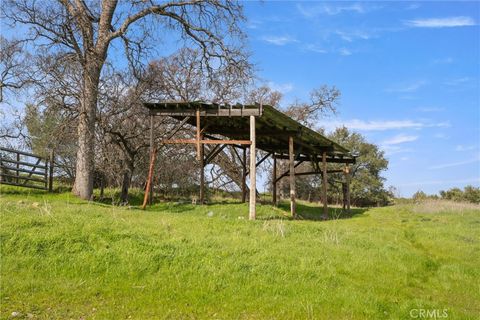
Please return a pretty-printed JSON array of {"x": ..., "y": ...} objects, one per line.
[
  {"x": 202, "y": 141},
  {"x": 307, "y": 173},
  {"x": 316, "y": 172},
  {"x": 198, "y": 129},
  {"x": 208, "y": 113},
  {"x": 286, "y": 173},
  {"x": 274, "y": 181},
  {"x": 22, "y": 163},
  {"x": 262, "y": 133},
  {"x": 292, "y": 176},
  {"x": 150, "y": 178},
  {"x": 51, "y": 163},
  {"x": 324, "y": 185},
  {"x": 253, "y": 171},
  {"x": 214, "y": 153},
  {"x": 20, "y": 152},
  {"x": 150, "y": 189},
  {"x": 178, "y": 127},
  {"x": 25, "y": 179},
  {"x": 244, "y": 174},
  {"x": 347, "y": 181},
  {"x": 238, "y": 156},
  {"x": 330, "y": 159},
  {"x": 18, "y": 166},
  {"x": 30, "y": 173},
  {"x": 261, "y": 161},
  {"x": 202, "y": 175}
]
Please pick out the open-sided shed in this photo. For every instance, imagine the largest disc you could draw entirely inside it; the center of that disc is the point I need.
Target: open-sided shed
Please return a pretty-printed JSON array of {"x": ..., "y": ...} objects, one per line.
[{"x": 252, "y": 126}]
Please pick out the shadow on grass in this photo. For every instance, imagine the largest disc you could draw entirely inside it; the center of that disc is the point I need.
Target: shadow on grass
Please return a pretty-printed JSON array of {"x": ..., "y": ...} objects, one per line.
[
  {"x": 305, "y": 211},
  {"x": 11, "y": 190},
  {"x": 315, "y": 213}
]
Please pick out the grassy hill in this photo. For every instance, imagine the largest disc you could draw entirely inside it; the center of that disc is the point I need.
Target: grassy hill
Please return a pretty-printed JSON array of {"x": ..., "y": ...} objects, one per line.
[{"x": 64, "y": 258}]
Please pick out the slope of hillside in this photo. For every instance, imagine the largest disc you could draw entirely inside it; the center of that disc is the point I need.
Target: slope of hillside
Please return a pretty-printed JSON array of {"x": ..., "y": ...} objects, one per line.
[{"x": 64, "y": 258}]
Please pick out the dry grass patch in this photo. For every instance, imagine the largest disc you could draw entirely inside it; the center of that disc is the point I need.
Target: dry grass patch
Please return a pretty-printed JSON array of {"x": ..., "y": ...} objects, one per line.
[{"x": 435, "y": 206}]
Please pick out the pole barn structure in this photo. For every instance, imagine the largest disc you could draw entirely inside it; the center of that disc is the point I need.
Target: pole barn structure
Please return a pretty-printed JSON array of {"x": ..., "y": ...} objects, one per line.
[{"x": 254, "y": 127}]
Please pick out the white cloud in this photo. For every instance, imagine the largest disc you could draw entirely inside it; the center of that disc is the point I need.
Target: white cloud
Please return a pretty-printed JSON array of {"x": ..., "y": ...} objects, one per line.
[
  {"x": 281, "y": 87},
  {"x": 344, "y": 52},
  {"x": 350, "y": 36},
  {"x": 315, "y": 48},
  {"x": 313, "y": 11},
  {"x": 460, "y": 21},
  {"x": 400, "y": 138},
  {"x": 455, "y": 164},
  {"x": 440, "y": 136},
  {"x": 253, "y": 23},
  {"x": 458, "y": 81},
  {"x": 413, "y": 6},
  {"x": 279, "y": 40},
  {"x": 447, "y": 60},
  {"x": 429, "y": 109},
  {"x": 379, "y": 125},
  {"x": 465, "y": 148},
  {"x": 408, "y": 87},
  {"x": 391, "y": 146},
  {"x": 395, "y": 149}
]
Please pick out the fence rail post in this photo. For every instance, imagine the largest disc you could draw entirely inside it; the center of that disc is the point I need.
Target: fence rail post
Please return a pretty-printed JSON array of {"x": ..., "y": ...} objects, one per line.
[
  {"x": 50, "y": 175},
  {"x": 18, "y": 167}
]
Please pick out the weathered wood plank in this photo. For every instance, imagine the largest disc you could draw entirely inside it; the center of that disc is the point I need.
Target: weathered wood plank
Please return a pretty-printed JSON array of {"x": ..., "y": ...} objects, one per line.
[
  {"x": 208, "y": 113},
  {"x": 324, "y": 185},
  {"x": 194, "y": 141},
  {"x": 202, "y": 174},
  {"x": 244, "y": 174},
  {"x": 148, "y": 188},
  {"x": 253, "y": 172},
  {"x": 274, "y": 181},
  {"x": 292, "y": 176}
]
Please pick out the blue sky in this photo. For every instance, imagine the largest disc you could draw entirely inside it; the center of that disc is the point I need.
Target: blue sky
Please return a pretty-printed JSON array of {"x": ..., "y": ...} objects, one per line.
[{"x": 408, "y": 72}]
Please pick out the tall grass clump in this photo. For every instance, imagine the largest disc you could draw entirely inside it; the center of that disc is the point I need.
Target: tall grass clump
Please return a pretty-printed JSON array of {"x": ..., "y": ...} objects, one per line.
[{"x": 444, "y": 206}]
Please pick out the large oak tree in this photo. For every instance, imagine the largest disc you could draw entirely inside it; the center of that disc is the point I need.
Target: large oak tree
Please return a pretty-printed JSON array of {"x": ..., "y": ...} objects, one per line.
[{"x": 86, "y": 30}]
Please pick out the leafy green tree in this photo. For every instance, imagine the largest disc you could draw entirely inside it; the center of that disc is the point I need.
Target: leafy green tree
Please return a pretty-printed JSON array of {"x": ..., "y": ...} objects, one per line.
[
  {"x": 454, "y": 194},
  {"x": 471, "y": 194},
  {"x": 367, "y": 183},
  {"x": 50, "y": 129},
  {"x": 419, "y": 196}
]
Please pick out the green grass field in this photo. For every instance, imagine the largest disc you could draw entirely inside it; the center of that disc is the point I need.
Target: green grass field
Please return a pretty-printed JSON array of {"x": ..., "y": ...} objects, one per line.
[{"x": 62, "y": 258}]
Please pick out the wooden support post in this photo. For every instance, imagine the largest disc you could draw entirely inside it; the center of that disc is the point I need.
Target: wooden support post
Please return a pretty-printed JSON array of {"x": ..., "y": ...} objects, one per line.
[
  {"x": 347, "y": 182},
  {"x": 324, "y": 185},
  {"x": 292, "y": 176},
  {"x": 18, "y": 166},
  {"x": 198, "y": 134},
  {"x": 50, "y": 174},
  {"x": 253, "y": 171},
  {"x": 274, "y": 181},
  {"x": 150, "y": 189},
  {"x": 244, "y": 176},
  {"x": 202, "y": 175}
]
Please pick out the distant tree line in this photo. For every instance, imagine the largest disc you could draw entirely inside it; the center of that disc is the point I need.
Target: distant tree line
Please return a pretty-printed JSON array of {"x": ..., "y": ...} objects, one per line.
[{"x": 468, "y": 194}]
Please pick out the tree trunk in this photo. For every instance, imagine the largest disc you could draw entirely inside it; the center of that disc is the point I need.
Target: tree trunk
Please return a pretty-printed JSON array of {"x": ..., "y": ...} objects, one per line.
[
  {"x": 83, "y": 186},
  {"x": 127, "y": 180}
]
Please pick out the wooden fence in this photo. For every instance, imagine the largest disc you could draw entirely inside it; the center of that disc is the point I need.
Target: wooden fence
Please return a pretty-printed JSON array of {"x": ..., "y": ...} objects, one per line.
[{"x": 18, "y": 168}]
